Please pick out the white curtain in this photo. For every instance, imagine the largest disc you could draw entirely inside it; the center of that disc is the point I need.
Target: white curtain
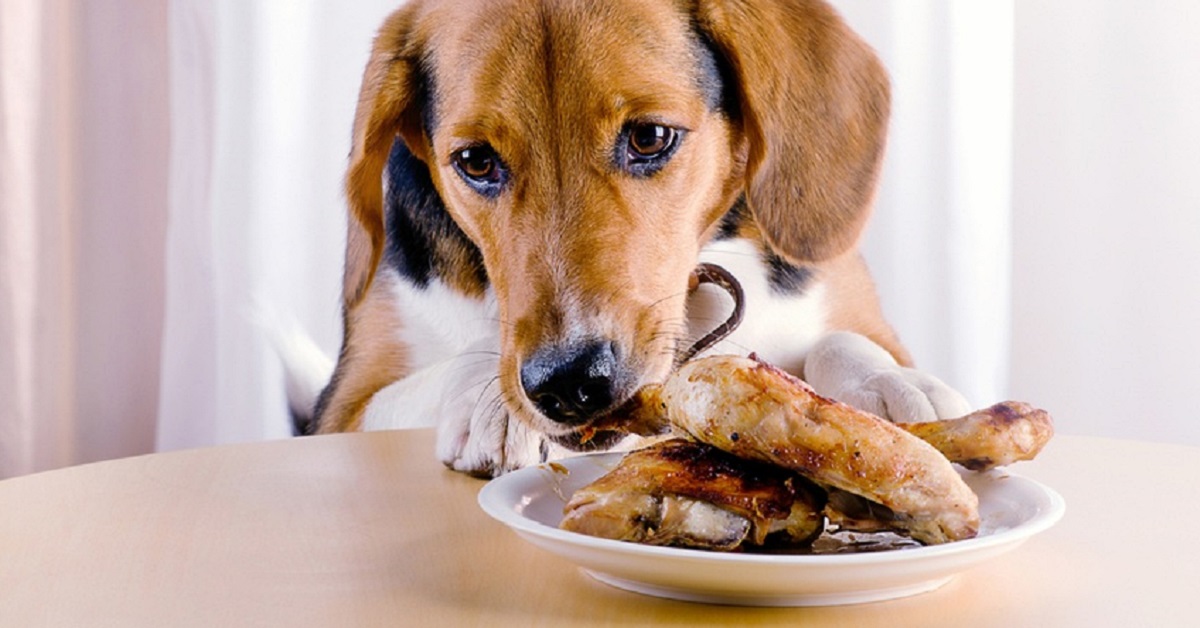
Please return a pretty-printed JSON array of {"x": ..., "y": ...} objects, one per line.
[
  {"x": 34, "y": 365},
  {"x": 262, "y": 95},
  {"x": 171, "y": 172},
  {"x": 939, "y": 244},
  {"x": 83, "y": 142}
]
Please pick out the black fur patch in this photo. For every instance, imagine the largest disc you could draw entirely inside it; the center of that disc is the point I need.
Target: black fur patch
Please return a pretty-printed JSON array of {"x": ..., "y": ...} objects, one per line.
[
  {"x": 733, "y": 220},
  {"x": 427, "y": 95},
  {"x": 785, "y": 277},
  {"x": 423, "y": 241},
  {"x": 715, "y": 76}
]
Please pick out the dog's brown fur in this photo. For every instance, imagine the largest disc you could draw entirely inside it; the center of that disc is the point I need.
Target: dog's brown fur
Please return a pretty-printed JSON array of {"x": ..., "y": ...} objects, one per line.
[{"x": 548, "y": 84}]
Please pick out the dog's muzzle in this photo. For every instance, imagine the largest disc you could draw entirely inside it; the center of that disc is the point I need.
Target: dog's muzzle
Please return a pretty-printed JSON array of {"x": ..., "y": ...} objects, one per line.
[{"x": 574, "y": 383}]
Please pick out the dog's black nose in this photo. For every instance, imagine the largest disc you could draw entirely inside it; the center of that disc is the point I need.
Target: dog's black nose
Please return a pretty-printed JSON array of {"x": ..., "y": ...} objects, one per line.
[{"x": 571, "y": 384}]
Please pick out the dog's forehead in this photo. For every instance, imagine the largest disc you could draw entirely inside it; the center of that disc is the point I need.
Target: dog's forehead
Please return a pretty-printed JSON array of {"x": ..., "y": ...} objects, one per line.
[{"x": 516, "y": 63}]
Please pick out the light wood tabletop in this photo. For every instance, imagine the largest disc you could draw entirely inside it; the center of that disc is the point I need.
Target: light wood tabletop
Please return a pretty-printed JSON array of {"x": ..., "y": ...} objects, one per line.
[{"x": 370, "y": 530}]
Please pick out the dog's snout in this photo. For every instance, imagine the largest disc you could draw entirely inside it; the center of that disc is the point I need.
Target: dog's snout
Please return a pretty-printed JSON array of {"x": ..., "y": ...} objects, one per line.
[{"x": 572, "y": 384}]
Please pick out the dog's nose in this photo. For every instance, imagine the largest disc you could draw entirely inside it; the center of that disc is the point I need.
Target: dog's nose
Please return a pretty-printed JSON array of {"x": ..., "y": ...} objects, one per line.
[{"x": 571, "y": 384}]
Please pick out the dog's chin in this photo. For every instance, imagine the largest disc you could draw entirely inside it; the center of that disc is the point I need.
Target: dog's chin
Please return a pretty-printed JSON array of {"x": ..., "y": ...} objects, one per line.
[
  {"x": 577, "y": 437},
  {"x": 582, "y": 437},
  {"x": 586, "y": 439}
]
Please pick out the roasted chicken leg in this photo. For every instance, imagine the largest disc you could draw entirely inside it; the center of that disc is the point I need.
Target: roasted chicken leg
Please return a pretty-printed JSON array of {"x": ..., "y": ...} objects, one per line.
[
  {"x": 683, "y": 493},
  {"x": 758, "y": 412},
  {"x": 995, "y": 436}
]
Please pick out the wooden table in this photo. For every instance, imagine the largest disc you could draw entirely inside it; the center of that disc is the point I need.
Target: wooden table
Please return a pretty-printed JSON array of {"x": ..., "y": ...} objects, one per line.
[{"x": 369, "y": 529}]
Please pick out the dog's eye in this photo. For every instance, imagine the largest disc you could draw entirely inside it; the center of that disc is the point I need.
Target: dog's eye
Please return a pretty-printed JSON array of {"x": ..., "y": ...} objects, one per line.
[
  {"x": 645, "y": 147},
  {"x": 481, "y": 168},
  {"x": 647, "y": 141},
  {"x": 476, "y": 163}
]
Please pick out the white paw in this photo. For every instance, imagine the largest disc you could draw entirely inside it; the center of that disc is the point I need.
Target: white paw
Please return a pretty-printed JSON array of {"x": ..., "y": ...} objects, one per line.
[
  {"x": 476, "y": 435},
  {"x": 854, "y": 370},
  {"x": 461, "y": 397},
  {"x": 905, "y": 395},
  {"x": 488, "y": 444}
]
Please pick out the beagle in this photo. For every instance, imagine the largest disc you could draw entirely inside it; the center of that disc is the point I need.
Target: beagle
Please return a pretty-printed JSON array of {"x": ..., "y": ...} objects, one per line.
[{"x": 532, "y": 182}]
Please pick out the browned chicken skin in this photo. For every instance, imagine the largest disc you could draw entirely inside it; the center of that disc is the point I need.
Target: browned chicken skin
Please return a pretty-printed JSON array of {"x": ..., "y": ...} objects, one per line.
[
  {"x": 683, "y": 493},
  {"x": 999, "y": 435}
]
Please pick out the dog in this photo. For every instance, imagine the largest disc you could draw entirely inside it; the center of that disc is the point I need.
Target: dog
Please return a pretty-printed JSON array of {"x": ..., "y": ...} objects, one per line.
[{"x": 532, "y": 183}]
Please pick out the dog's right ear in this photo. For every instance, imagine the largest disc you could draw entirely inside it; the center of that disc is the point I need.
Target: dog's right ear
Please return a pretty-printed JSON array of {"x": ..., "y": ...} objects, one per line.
[
  {"x": 389, "y": 107},
  {"x": 814, "y": 102}
]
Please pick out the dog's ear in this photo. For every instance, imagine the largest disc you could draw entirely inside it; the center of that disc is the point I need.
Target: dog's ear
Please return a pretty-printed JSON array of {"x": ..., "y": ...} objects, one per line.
[
  {"x": 389, "y": 107},
  {"x": 814, "y": 103}
]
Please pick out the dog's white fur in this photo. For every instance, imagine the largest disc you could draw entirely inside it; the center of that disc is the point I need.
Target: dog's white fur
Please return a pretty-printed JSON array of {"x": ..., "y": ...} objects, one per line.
[{"x": 779, "y": 328}]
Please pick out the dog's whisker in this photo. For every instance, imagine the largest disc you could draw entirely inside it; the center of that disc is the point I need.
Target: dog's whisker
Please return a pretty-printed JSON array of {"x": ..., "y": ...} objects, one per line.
[
  {"x": 489, "y": 403},
  {"x": 468, "y": 367},
  {"x": 674, "y": 295},
  {"x": 479, "y": 352},
  {"x": 501, "y": 322}
]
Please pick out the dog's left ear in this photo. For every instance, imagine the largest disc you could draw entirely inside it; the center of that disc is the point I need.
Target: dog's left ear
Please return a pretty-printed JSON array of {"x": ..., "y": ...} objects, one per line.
[
  {"x": 814, "y": 103},
  {"x": 389, "y": 106}
]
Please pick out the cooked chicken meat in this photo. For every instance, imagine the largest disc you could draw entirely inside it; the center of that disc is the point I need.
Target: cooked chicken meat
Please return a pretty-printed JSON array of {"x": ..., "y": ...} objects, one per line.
[
  {"x": 683, "y": 493},
  {"x": 758, "y": 412},
  {"x": 1002, "y": 434},
  {"x": 999, "y": 435}
]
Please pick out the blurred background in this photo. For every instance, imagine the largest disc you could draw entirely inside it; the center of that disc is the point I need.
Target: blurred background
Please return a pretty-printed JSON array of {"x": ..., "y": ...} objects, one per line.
[{"x": 170, "y": 172}]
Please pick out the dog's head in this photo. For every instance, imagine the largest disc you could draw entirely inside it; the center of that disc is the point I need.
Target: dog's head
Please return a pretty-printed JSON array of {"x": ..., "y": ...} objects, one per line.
[{"x": 588, "y": 150}]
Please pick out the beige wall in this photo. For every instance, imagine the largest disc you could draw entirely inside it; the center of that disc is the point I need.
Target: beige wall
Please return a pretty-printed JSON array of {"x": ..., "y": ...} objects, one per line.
[{"x": 1106, "y": 274}]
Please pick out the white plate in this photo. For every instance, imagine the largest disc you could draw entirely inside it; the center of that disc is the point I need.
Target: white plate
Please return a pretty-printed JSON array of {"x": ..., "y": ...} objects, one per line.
[{"x": 530, "y": 501}]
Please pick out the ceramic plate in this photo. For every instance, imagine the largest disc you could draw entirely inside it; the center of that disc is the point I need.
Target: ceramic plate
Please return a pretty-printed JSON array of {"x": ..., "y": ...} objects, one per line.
[{"x": 530, "y": 501}]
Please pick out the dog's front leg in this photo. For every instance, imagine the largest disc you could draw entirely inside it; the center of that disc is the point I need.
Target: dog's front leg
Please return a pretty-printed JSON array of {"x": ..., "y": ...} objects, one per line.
[
  {"x": 852, "y": 369},
  {"x": 489, "y": 445},
  {"x": 461, "y": 397}
]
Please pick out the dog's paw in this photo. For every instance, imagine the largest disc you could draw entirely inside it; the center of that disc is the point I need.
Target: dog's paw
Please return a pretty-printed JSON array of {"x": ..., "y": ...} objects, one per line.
[
  {"x": 475, "y": 434},
  {"x": 488, "y": 444},
  {"x": 905, "y": 395},
  {"x": 856, "y": 371}
]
